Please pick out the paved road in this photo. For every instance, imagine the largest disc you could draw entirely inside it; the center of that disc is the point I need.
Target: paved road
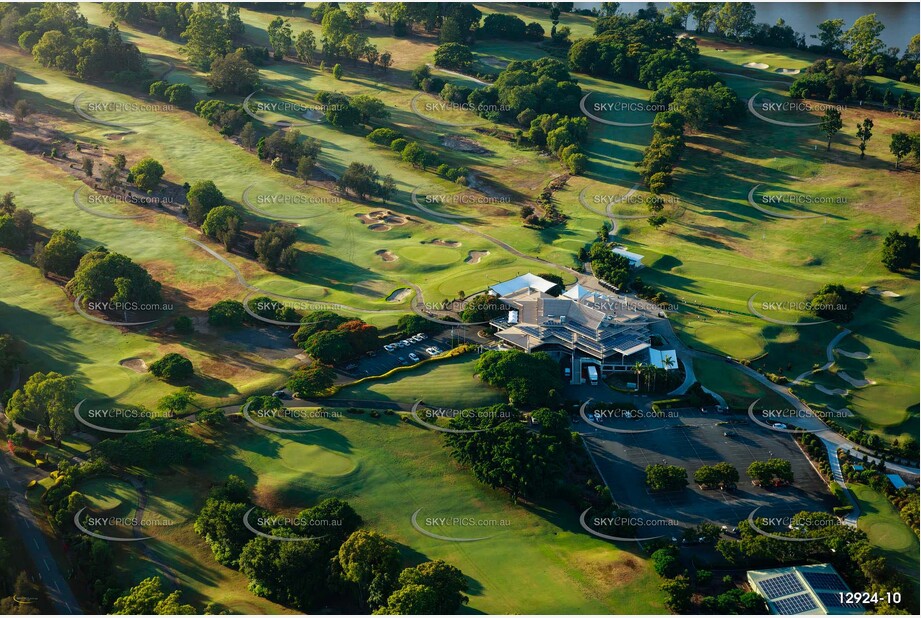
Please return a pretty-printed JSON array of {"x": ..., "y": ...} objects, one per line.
[{"x": 55, "y": 585}]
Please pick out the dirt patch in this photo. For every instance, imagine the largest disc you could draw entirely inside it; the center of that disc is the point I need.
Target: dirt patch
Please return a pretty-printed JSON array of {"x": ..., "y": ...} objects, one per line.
[
  {"x": 136, "y": 365},
  {"x": 755, "y": 65},
  {"x": 463, "y": 144},
  {"x": 379, "y": 227},
  {"x": 398, "y": 295},
  {"x": 445, "y": 243},
  {"x": 610, "y": 573},
  {"x": 386, "y": 255},
  {"x": 474, "y": 257}
]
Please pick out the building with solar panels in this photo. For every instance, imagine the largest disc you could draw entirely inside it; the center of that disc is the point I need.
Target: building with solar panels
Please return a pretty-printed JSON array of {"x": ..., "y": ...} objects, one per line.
[{"x": 810, "y": 589}]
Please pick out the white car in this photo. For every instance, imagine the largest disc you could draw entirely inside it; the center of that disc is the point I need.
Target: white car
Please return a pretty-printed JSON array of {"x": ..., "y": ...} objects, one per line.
[
  {"x": 422, "y": 336},
  {"x": 437, "y": 349},
  {"x": 430, "y": 351},
  {"x": 390, "y": 347},
  {"x": 413, "y": 357},
  {"x": 779, "y": 426},
  {"x": 405, "y": 343},
  {"x": 417, "y": 338}
]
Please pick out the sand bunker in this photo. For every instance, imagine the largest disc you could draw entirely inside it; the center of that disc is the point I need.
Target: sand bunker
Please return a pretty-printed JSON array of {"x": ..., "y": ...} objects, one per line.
[
  {"x": 313, "y": 115},
  {"x": 117, "y": 136},
  {"x": 755, "y": 65},
  {"x": 787, "y": 71},
  {"x": 474, "y": 257},
  {"x": 462, "y": 144},
  {"x": 379, "y": 227},
  {"x": 831, "y": 391},
  {"x": 134, "y": 364},
  {"x": 398, "y": 295},
  {"x": 858, "y": 355},
  {"x": 886, "y": 293},
  {"x": 365, "y": 218},
  {"x": 855, "y": 382},
  {"x": 386, "y": 255},
  {"x": 394, "y": 220},
  {"x": 492, "y": 61},
  {"x": 445, "y": 243}
]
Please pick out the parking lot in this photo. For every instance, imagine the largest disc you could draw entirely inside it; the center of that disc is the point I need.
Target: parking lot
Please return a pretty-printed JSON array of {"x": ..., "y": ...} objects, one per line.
[
  {"x": 691, "y": 440},
  {"x": 384, "y": 360}
]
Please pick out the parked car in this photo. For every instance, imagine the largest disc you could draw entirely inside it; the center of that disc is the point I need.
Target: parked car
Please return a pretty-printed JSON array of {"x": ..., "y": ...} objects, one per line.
[
  {"x": 422, "y": 336},
  {"x": 390, "y": 347},
  {"x": 413, "y": 357},
  {"x": 437, "y": 349},
  {"x": 779, "y": 426}
]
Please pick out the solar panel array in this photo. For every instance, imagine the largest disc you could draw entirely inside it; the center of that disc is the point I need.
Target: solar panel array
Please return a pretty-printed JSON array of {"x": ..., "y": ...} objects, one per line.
[
  {"x": 795, "y": 605},
  {"x": 833, "y": 599},
  {"x": 825, "y": 581},
  {"x": 781, "y": 586}
]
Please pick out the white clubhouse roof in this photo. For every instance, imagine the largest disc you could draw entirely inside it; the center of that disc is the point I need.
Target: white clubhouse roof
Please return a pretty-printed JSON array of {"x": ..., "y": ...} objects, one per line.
[
  {"x": 576, "y": 292},
  {"x": 635, "y": 258},
  {"x": 526, "y": 281},
  {"x": 657, "y": 358}
]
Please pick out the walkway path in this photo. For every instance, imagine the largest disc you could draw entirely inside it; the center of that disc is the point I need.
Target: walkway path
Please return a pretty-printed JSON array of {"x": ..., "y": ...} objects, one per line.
[{"x": 838, "y": 477}]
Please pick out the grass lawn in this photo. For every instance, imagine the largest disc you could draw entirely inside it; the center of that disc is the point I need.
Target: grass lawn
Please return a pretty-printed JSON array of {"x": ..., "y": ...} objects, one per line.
[
  {"x": 448, "y": 383},
  {"x": 107, "y": 493},
  {"x": 737, "y": 388},
  {"x": 387, "y": 470},
  {"x": 886, "y": 530}
]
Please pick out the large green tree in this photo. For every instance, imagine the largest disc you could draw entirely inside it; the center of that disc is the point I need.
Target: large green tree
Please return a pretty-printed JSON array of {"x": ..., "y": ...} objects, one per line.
[
  {"x": 372, "y": 563},
  {"x": 45, "y": 399},
  {"x": 110, "y": 277},
  {"x": 206, "y": 36}
]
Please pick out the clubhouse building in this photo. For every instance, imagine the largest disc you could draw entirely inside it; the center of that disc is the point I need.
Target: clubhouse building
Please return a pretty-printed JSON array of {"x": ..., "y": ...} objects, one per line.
[{"x": 581, "y": 326}]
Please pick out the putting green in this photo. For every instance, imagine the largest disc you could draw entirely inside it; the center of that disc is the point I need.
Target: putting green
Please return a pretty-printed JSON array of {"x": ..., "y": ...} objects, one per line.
[
  {"x": 431, "y": 255},
  {"x": 106, "y": 493},
  {"x": 886, "y": 530},
  {"x": 315, "y": 460},
  {"x": 109, "y": 380}
]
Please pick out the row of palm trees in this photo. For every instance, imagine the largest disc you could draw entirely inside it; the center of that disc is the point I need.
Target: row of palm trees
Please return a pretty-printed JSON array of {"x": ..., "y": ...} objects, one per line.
[{"x": 649, "y": 375}]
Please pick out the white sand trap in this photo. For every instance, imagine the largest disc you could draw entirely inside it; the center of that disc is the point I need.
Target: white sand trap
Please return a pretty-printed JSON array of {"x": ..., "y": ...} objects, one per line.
[
  {"x": 134, "y": 364},
  {"x": 878, "y": 292},
  {"x": 857, "y": 355},
  {"x": 398, "y": 295},
  {"x": 787, "y": 71},
  {"x": 474, "y": 257},
  {"x": 855, "y": 382},
  {"x": 831, "y": 391},
  {"x": 386, "y": 255},
  {"x": 313, "y": 115},
  {"x": 755, "y": 65}
]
